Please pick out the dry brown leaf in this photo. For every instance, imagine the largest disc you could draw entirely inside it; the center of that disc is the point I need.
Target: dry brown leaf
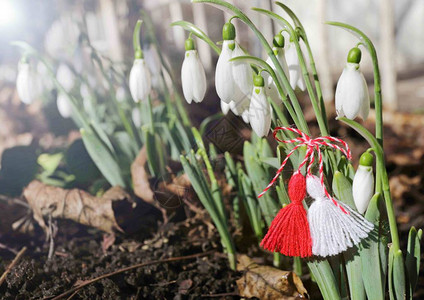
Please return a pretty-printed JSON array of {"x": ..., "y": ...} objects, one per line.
[
  {"x": 76, "y": 205},
  {"x": 268, "y": 283},
  {"x": 163, "y": 194}
]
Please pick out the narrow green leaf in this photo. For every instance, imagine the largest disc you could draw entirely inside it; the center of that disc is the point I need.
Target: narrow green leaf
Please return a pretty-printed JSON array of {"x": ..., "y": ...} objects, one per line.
[
  {"x": 399, "y": 282},
  {"x": 343, "y": 189},
  {"x": 323, "y": 274},
  {"x": 102, "y": 158},
  {"x": 412, "y": 261},
  {"x": 372, "y": 268},
  {"x": 354, "y": 274}
]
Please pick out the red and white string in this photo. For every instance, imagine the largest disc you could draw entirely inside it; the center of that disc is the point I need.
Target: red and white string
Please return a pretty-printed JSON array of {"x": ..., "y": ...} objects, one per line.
[{"x": 313, "y": 146}]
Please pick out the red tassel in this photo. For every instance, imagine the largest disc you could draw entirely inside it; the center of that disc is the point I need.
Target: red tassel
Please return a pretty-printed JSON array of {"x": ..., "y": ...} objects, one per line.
[{"x": 289, "y": 232}]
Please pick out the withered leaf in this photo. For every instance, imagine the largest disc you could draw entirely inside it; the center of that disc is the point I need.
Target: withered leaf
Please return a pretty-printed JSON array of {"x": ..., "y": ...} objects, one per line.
[
  {"x": 164, "y": 192},
  {"x": 76, "y": 205},
  {"x": 265, "y": 282}
]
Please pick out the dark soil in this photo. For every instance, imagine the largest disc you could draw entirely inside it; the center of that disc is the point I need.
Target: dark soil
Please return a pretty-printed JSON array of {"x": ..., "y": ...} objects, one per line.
[{"x": 79, "y": 256}]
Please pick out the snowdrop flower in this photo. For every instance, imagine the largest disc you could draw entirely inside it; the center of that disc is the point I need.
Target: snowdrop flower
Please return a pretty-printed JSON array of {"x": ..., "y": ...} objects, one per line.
[
  {"x": 233, "y": 81},
  {"x": 136, "y": 116},
  {"x": 363, "y": 183},
  {"x": 120, "y": 94},
  {"x": 193, "y": 76},
  {"x": 260, "y": 109},
  {"x": 278, "y": 49},
  {"x": 295, "y": 72},
  {"x": 28, "y": 84},
  {"x": 352, "y": 98},
  {"x": 65, "y": 77},
  {"x": 64, "y": 105},
  {"x": 140, "y": 80}
]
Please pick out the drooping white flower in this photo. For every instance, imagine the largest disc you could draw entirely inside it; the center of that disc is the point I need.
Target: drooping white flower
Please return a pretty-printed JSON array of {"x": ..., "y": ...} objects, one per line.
[
  {"x": 193, "y": 76},
  {"x": 295, "y": 72},
  {"x": 352, "y": 98},
  {"x": 120, "y": 94},
  {"x": 271, "y": 88},
  {"x": 65, "y": 77},
  {"x": 260, "y": 109},
  {"x": 64, "y": 105},
  {"x": 363, "y": 183},
  {"x": 233, "y": 81},
  {"x": 140, "y": 80},
  {"x": 136, "y": 116},
  {"x": 28, "y": 83},
  {"x": 242, "y": 73}
]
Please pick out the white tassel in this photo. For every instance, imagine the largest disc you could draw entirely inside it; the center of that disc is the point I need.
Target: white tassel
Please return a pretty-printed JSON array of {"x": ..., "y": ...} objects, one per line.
[{"x": 332, "y": 230}]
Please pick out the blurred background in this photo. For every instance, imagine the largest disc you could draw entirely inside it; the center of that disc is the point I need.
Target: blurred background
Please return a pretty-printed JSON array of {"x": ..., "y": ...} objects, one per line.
[{"x": 55, "y": 27}]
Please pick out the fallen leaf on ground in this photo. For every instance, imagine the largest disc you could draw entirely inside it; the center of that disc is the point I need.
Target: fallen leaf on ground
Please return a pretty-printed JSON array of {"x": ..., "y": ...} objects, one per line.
[
  {"x": 166, "y": 191},
  {"x": 76, "y": 205},
  {"x": 265, "y": 282}
]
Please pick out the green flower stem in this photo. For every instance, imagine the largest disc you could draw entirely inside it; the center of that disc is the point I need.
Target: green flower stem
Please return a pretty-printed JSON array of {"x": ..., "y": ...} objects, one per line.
[
  {"x": 268, "y": 49},
  {"x": 170, "y": 107},
  {"x": 377, "y": 81},
  {"x": 150, "y": 109},
  {"x": 380, "y": 165},
  {"x": 266, "y": 67},
  {"x": 136, "y": 36},
  {"x": 303, "y": 35}
]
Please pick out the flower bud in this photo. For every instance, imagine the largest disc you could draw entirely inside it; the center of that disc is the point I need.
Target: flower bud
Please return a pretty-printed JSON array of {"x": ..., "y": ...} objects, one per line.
[
  {"x": 352, "y": 98},
  {"x": 363, "y": 183},
  {"x": 28, "y": 85},
  {"x": 193, "y": 76},
  {"x": 278, "y": 41},
  {"x": 140, "y": 81},
  {"x": 260, "y": 109}
]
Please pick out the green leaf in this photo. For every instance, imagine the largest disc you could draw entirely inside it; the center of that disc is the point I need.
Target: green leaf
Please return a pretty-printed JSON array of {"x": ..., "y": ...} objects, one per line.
[
  {"x": 197, "y": 32},
  {"x": 354, "y": 274},
  {"x": 413, "y": 256},
  {"x": 372, "y": 267},
  {"x": 324, "y": 276},
  {"x": 103, "y": 159},
  {"x": 155, "y": 154},
  {"x": 80, "y": 164},
  {"x": 399, "y": 282},
  {"x": 50, "y": 162},
  {"x": 343, "y": 189}
]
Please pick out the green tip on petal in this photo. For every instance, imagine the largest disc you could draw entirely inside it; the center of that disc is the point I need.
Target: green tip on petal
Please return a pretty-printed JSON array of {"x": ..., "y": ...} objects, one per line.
[
  {"x": 258, "y": 80},
  {"x": 228, "y": 31},
  {"x": 354, "y": 55},
  {"x": 138, "y": 54},
  {"x": 366, "y": 159},
  {"x": 278, "y": 40},
  {"x": 189, "y": 44}
]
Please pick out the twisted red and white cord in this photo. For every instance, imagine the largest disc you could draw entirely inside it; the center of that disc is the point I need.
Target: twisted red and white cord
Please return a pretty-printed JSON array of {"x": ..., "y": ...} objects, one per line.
[{"x": 313, "y": 146}]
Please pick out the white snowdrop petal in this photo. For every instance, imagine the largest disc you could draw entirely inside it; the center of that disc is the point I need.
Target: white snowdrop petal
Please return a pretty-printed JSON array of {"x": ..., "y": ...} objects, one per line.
[
  {"x": 363, "y": 188},
  {"x": 293, "y": 65},
  {"x": 352, "y": 96},
  {"x": 226, "y": 88},
  {"x": 64, "y": 106},
  {"x": 186, "y": 78},
  {"x": 242, "y": 73},
  {"x": 28, "y": 84},
  {"x": 260, "y": 112},
  {"x": 140, "y": 81},
  {"x": 193, "y": 77},
  {"x": 225, "y": 107},
  {"x": 65, "y": 77},
  {"x": 239, "y": 107}
]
